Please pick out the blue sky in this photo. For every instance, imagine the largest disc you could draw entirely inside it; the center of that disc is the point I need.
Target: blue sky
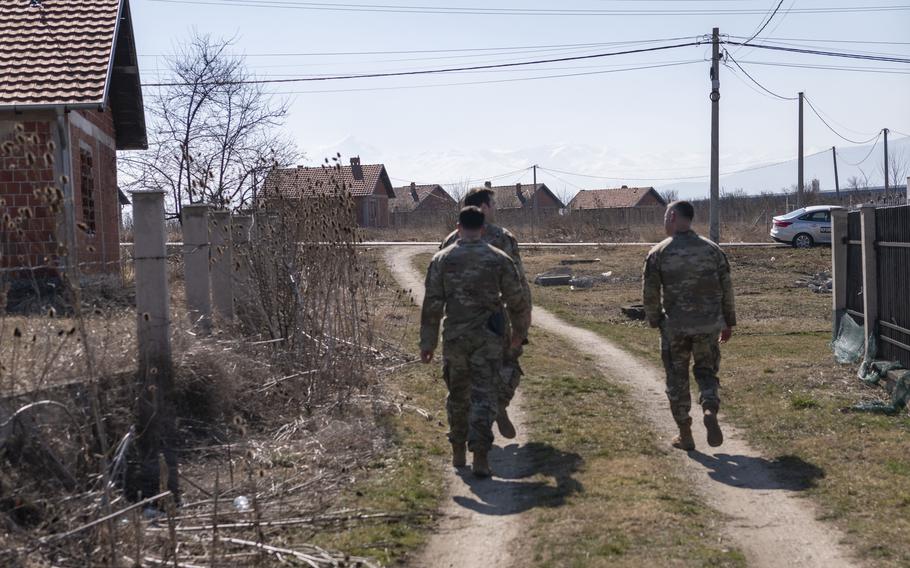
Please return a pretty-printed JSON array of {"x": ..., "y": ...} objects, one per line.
[{"x": 652, "y": 123}]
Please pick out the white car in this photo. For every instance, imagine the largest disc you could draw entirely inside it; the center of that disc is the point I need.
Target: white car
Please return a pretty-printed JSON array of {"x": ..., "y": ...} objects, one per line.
[{"x": 804, "y": 227}]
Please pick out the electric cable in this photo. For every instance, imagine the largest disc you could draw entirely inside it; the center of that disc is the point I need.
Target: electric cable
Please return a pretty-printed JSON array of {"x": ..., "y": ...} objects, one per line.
[
  {"x": 824, "y": 53},
  {"x": 831, "y": 128},
  {"x": 872, "y": 149},
  {"x": 765, "y": 25},
  {"x": 751, "y": 78},
  {"x": 434, "y": 71}
]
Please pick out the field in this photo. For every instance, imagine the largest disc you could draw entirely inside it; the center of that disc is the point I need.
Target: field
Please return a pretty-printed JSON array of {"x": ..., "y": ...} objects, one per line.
[{"x": 780, "y": 383}]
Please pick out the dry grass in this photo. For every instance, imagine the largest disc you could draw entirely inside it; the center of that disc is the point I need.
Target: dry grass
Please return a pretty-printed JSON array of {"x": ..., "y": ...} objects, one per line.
[{"x": 780, "y": 383}]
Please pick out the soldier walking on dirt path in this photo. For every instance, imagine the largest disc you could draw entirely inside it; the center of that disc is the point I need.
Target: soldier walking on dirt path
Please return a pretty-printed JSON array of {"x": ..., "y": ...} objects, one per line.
[
  {"x": 688, "y": 294},
  {"x": 468, "y": 281},
  {"x": 502, "y": 239}
]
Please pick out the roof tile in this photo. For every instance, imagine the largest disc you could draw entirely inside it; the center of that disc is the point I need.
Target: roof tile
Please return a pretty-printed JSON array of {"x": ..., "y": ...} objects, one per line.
[{"x": 55, "y": 51}]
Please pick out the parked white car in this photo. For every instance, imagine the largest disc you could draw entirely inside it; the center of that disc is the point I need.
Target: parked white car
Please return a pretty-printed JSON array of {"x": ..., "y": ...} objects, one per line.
[{"x": 804, "y": 227}]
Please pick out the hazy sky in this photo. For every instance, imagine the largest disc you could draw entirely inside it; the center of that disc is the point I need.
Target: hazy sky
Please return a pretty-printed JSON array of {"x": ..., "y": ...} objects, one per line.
[{"x": 645, "y": 123}]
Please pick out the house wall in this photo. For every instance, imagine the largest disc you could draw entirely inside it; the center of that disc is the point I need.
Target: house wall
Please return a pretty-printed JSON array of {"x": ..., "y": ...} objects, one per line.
[
  {"x": 93, "y": 132},
  {"x": 26, "y": 172},
  {"x": 437, "y": 201},
  {"x": 650, "y": 200},
  {"x": 28, "y": 229},
  {"x": 545, "y": 201}
]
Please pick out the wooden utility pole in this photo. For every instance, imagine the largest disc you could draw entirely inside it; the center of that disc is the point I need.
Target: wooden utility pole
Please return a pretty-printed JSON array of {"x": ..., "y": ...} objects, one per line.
[
  {"x": 885, "y": 130},
  {"x": 534, "y": 202},
  {"x": 836, "y": 181},
  {"x": 799, "y": 181},
  {"x": 714, "y": 219}
]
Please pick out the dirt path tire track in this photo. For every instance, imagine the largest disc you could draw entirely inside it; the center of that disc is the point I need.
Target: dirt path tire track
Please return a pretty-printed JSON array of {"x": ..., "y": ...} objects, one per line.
[{"x": 769, "y": 522}]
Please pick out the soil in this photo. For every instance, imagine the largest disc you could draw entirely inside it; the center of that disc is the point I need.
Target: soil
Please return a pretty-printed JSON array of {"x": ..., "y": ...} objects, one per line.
[{"x": 768, "y": 521}]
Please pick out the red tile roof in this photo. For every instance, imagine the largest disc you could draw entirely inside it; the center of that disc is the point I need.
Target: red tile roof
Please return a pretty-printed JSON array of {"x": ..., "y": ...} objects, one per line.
[
  {"x": 313, "y": 182},
  {"x": 515, "y": 196},
  {"x": 610, "y": 198},
  {"x": 56, "y": 51},
  {"x": 404, "y": 200}
]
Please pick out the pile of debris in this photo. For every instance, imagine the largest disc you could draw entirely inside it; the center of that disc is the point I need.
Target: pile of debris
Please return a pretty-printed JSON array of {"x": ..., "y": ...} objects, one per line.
[
  {"x": 820, "y": 283},
  {"x": 563, "y": 276}
]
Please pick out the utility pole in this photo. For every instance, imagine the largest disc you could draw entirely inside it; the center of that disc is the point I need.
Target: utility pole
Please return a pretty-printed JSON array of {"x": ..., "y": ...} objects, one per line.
[
  {"x": 836, "y": 182},
  {"x": 799, "y": 182},
  {"x": 714, "y": 219},
  {"x": 885, "y": 130},
  {"x": 534, "y": 202}
]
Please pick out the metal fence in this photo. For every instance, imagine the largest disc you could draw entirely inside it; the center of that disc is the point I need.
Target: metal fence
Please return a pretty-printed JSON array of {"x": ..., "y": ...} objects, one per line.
[{"x": 871, "y": 265}]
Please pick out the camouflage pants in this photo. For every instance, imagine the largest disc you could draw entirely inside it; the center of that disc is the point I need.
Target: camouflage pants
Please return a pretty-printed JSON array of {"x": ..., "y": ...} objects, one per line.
[
  {"x": 677, "y": 349},
  {"x": 510, "y": 374},
  {"x": 471, "y": 370}
]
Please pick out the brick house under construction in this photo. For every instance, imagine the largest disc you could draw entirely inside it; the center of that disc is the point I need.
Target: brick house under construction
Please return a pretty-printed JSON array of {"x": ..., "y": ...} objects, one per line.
[{"x": 70, "y": 98}]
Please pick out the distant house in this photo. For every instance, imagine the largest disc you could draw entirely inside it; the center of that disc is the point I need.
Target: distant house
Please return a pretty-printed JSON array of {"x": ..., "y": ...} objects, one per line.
[
  {"x": 368, "y": 184},
  {"x": 618, "y": 198},
  {"x": 70, "y": 98},
  {"x": 420, "y": 199},
  {"x": 521, "y": 197}
]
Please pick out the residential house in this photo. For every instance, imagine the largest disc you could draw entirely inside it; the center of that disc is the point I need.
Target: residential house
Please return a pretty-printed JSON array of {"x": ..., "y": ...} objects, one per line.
[
  {"x": 70, "y": 98},
  {"x": 368, "y": 184},
  {"x": 617, "y": 198},
  {"x": 525, "y": 197},
  {"x": 420, "y": 199}
]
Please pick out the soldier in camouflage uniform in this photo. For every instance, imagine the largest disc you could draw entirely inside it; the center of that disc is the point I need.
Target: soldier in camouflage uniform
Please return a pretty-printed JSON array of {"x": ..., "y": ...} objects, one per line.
[
  {"x": 688, "y": 294},
  {"x": 469, "y": 281},
  {"x": 502, "y": 239}
]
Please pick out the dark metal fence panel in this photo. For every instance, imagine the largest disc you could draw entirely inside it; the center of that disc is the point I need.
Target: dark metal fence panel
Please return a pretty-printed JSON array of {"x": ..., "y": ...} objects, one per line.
[
  {"x": 892, "y": 228},
  {"x": 854, "y": 267}
]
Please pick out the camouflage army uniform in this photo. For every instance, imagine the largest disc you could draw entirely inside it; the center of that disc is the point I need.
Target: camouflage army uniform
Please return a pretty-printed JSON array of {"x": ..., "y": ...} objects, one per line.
[
  {"x": 511, "y": 372},
  {"x": 688, "y": 293},
  {"x": 469, "y": 281}
]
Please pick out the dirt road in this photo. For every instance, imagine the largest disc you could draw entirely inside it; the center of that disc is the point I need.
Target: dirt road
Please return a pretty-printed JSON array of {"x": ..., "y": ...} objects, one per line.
[{"x": 769, "y": 522}]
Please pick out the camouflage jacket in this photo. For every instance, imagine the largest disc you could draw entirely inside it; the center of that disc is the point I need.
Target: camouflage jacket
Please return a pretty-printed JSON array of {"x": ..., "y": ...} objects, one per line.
[
  {"x": 686, "y": 285},
  {"x": 505, "y": 241},
  {"x": 469, "y": 281}
]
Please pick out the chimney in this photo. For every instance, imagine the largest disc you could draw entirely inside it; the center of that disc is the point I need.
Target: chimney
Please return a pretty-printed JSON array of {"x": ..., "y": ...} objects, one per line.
[
  {"x": 488, "y": 184},
  {"x": 518, "y": 189},
  {"x": 414, "y": 191},
  {"x": 356, "y": 169}
]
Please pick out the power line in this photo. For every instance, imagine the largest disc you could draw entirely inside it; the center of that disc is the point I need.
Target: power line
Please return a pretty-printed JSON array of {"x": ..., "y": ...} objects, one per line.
[
  {"x": 758, "y": 167},
  {"x": 765, "y": 25},
  {"x": 544, "y": 47},
  {"x": 872, "y": 149},
  {"x": 825, "y": 53},
  {"x": 819, "y": 40},
  {"x": 456, "y": 10},
  {"x": 434, "y": 71},
  {"x": 762, "y": 87},
  {"x": 825, "y": 122},
  {"x": 882, "y": 70},
  {"x": 490, "y": 81}
]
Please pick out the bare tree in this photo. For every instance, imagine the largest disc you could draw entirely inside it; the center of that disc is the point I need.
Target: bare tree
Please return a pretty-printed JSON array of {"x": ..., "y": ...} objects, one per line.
[
  {"x": 898, "y": 167},
  {"x": 214, "y": 134},
  {"x": 669, "y": 195}
]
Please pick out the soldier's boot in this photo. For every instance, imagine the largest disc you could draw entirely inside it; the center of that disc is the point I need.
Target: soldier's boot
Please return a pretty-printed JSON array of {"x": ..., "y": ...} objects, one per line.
[
  {"x": 459, "y": 455},
  {"x": 481, "y": 467},
  {"x": 684, "y": 441},
  {"x": 506, "y": 428},
  {"x": 715, "y": 436}
]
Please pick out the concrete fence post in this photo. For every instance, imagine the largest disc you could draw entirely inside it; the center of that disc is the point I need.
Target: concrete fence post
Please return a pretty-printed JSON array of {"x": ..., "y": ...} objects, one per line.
[
  {"x": 196, "y": 276},
  {"x": 907, "y": 189},
  {"x": 155, "y": 413},
  {"x": 222, "y": 265},
  {"x": 241, "y": 228},
  {"x": 870, "y": 274},
  {"x": 838, "y": 267}
]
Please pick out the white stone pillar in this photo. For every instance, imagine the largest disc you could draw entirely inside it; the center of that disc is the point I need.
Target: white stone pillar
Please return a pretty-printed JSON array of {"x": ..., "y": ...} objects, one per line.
[
  {"x": 196, "y": 248},
  {"x": 222, "y": 265}
]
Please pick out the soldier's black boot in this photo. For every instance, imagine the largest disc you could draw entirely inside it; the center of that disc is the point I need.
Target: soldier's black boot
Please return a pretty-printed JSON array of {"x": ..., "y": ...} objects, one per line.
[
  {"x": 481, "y": 467},
  {"x": 459, "y": 455},
  {"x": 715, "y": 436},
  {"x": 506, "y": 428},
  {"x": 684, "y": 441}
]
